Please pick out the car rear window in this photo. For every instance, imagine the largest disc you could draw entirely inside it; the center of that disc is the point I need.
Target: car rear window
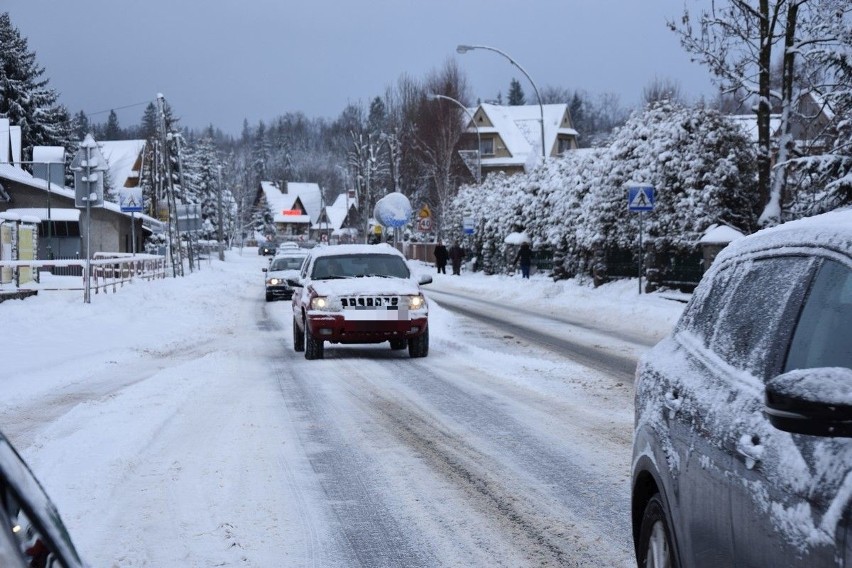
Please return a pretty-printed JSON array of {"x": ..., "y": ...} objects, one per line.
[{"x": 823, "y": 336}]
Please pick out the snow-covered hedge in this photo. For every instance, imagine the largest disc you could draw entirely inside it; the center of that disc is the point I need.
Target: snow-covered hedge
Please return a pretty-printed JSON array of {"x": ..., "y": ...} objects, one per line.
[{"x": 701, "y": 164}]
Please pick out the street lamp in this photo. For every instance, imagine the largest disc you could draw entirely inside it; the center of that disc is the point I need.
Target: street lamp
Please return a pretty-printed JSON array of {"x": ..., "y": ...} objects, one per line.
[
  {"x": 465, "y": 48},
  {"x": 435, "y": 97}
]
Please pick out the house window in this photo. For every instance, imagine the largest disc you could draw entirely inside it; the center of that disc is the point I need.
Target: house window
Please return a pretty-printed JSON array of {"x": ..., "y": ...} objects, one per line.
[
  {"x": 486, "y": 147},
  {"x": 564, "y": 145}
]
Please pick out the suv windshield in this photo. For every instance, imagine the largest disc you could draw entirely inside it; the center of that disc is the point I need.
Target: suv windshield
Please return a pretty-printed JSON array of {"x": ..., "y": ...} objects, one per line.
[{"x": 359, "y": 265}]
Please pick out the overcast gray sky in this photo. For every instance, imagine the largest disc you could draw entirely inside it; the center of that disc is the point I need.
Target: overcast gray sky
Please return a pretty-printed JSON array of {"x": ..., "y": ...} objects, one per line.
[{"x": 220, "y": 61}]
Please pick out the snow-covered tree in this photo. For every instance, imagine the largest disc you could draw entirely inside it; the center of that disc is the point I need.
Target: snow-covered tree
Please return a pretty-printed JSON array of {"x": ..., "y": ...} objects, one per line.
[
  {"x": 25, "y": 98},
  {"x": 739, "y": 40}
]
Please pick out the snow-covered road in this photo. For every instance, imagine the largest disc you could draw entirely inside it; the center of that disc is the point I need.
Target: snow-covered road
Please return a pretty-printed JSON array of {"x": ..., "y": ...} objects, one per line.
[{"x": 173, "y": 424}]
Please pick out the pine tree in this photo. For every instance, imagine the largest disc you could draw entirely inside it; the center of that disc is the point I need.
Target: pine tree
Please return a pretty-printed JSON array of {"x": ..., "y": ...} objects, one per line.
[
  {"x": 25, "y": 98},
  {"x": 81, "y": 125},
  {"x": 112, "y": 131},
  {"x": 516, "y": 94},
  {"x": 150, "y": 123}
]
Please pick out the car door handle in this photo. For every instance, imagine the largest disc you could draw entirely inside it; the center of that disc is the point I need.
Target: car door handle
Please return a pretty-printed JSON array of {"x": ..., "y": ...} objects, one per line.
[
  {"x": 673, "y": 402},
  {"x": 750, "y": 448}
]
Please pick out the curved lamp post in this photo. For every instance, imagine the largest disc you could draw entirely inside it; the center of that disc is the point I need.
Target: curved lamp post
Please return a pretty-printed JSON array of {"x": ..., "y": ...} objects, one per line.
[
  {"x": 435, "y": 97},
  {"x": 465, "y": 48}
]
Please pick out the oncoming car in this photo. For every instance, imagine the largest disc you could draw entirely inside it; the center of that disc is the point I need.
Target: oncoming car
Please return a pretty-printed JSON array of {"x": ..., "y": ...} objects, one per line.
[
  {"x": 281, "y": 269},
  {"x": 359, "y": 294},
  {"x": 31, "y": 532},
  {"x": 741, "y": 452}
]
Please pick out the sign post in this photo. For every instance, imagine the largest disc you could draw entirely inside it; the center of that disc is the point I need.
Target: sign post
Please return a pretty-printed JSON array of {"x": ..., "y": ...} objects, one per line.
[
  {"x": 87, "y": 165},
  {"x": 130, "y": 200},
  {"x": 640, "y": 198}
]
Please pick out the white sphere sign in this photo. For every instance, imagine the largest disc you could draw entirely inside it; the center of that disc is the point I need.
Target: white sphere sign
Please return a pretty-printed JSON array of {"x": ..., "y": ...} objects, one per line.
[{"x": 393, "y": 210}]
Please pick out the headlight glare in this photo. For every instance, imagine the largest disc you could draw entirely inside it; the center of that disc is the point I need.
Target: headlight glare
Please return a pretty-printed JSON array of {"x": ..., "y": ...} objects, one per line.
[{"x": 416, "y": 302}]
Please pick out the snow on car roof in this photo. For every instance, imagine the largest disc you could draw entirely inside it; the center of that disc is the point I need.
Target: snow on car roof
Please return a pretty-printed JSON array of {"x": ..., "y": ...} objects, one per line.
[
  {"x": 831, "y": 230},
  {"x": 338, "y": 250}
]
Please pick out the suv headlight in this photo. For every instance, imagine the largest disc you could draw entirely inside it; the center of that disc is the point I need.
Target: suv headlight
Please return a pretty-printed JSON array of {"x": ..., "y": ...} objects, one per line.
[
  {"x": 274, "y": 281},
  {"x": 326, "y": 304},
  {"x": 417, "y": 302}
]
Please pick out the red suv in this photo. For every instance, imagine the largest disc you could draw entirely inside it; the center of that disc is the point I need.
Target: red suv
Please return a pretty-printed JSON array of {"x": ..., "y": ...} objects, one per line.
[{"x": 359, "y": 294}]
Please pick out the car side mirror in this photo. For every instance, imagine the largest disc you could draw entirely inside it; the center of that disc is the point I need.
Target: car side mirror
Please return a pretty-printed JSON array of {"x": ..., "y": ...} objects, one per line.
[
  {"x": 815, "y": 402},
  {"x": 264, "y": 269},
  {"x": 424, "y": 279}
]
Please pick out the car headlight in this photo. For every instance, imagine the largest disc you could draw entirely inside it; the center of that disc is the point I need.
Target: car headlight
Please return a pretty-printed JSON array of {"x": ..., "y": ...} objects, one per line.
[
  {"x": 326, "y": 304},
  {"x": 417, "y": 302},
  {"x": 274, "y": 281}
]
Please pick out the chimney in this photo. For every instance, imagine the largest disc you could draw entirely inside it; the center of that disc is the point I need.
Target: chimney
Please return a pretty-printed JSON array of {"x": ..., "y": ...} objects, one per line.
[
  {"x": 15, "y": 135},
  {"x": 4, "y": 140}
]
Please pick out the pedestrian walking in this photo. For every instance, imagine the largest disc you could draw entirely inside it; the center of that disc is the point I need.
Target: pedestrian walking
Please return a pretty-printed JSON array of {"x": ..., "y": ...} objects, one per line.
[
  {"x": 456, "y": 257},
  {"x": 441, "y": 256},
  {"x": 524, "y": 258}
]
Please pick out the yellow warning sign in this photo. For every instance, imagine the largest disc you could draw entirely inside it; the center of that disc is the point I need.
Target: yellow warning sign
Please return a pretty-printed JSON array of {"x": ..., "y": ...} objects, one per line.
[{"x": 425, "y": 212}]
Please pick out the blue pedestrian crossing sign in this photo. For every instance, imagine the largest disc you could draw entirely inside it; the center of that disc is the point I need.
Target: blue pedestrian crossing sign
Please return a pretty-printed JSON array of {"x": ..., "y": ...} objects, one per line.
[{"x": 640, "y": 198}]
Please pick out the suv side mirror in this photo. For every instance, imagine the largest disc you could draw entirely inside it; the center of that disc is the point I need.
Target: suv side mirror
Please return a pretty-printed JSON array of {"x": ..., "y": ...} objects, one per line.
[
  {"x": 815, "y": 402},
  {"x": 424, "y": 279}
]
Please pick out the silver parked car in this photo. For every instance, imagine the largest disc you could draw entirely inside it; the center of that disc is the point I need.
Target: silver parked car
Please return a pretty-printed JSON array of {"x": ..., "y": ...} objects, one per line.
[
  {"x": 741, "y": 453},
  {"x": 31, "y": 533}
]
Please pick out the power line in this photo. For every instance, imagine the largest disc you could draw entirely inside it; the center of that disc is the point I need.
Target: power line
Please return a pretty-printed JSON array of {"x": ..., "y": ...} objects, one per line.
[{"x": 120, "y": 108}]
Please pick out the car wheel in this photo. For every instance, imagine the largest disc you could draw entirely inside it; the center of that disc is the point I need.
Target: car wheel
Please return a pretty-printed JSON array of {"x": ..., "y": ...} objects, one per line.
[
  {"x": 313, "y": 347},
  {"x": 656, "y": 547},
  {"x": 419, "y": 346},
  {"x": 397, "y": 344},
  {"x": 298, "y": 338}
]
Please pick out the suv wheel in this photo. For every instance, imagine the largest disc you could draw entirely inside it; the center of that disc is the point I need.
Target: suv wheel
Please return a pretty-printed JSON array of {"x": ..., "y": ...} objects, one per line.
[
  {"x": 655, "y": 548},
  {"x": 298, "y": 338},
  {"x": 419, "y": 346},
  {"x": 313, "y": 347}
]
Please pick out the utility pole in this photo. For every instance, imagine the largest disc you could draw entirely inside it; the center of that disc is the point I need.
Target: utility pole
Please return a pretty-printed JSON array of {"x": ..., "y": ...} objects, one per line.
[
  {"x": 183, "y": 188},
  {"x": 219, "y": 214},
  {"x": 174, "y": 233}
]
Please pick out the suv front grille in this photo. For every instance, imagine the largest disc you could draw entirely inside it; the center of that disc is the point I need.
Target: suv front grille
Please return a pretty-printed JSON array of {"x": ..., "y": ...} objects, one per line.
[{"x": 370, "y": 302}]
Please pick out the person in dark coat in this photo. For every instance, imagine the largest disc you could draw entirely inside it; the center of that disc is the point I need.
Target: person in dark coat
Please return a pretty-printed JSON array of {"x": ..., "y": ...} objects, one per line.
[
  {"x": 456, "y": 257},
  {"x": 524, "y": 258},
  {"x": 441, "y": 256}
]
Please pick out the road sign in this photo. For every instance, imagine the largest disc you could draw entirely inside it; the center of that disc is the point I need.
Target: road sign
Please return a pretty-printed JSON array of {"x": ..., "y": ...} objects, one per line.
[
  {"x": 425, "y": 224},
  {"x": 130, "y": 199},
  {"x": 467, "y": 225},
  {"x": 87, "y": 165},
  {"x": 188, "y": 217},
  {"x": 640, "y": 198}
]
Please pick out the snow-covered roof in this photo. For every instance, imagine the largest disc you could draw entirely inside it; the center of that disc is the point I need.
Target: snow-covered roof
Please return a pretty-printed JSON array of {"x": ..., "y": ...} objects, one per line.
[
  {"x": 56, "y": 213},
  {"x": 719, "y": 234},
  {"x": 337, "y": 211},
  {"x": 520, "y": 128},
  {"x": 308, "y": 194},
  {"x": 16, "y": 174},
  {"x": 121, "y": 155},
  {"x": 748, "y": 124}
]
